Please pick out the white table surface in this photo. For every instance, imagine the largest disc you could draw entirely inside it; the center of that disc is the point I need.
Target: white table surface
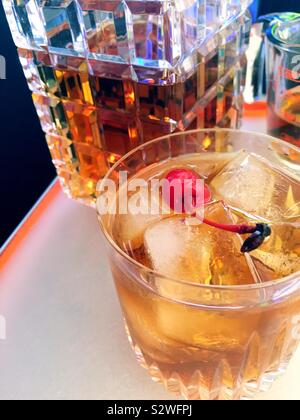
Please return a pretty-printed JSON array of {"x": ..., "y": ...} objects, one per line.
[{"x": 65, "y": 337}]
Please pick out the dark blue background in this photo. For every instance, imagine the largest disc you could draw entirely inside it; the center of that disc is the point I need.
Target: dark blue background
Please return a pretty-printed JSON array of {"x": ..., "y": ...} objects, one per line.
[
  {"x": 262, "y": 7},
  {"x": 25, "y": 166}
]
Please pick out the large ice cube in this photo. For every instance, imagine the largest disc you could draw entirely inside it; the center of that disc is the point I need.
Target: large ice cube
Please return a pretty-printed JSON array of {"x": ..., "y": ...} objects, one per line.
[
  {"x": 179, "y": 251},
  {"x": 279, "y": 256},
  {"x": 206, "y": 165},
  {"x": 198, "y": 253},
  {"x": 129, "y": 228},
  {"x": 215, "y": 330},
  {"x": 250, "y": 184}
]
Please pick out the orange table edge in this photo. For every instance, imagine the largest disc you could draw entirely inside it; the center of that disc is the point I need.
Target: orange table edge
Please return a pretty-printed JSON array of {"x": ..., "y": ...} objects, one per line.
[{"x": 28, "y": 223}]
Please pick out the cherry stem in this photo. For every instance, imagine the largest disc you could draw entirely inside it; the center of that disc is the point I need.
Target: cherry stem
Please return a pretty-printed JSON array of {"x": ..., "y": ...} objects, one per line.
[
  {"x": 240, "y": 229},
  {"x": 258, "y": 233}
]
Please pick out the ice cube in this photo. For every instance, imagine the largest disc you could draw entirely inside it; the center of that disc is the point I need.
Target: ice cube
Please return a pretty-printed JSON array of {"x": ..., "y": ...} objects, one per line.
[
  {"x": 205, "y": 164},
  {"x": 128, "y": 229},
  {"x": 179, "y": 251},
  {"x": 215, "y": 330},
  {"x": 198, "y": 253},
  {"x": 279, "y": 256},
  {"x": 250, "y": 184}
]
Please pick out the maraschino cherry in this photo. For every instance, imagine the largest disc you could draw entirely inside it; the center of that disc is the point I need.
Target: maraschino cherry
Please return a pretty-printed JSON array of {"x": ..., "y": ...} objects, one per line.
[{"x": 188, "y": 179}]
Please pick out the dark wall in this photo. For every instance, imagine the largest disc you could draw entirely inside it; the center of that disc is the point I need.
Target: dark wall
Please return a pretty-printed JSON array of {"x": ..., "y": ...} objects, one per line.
[
  {"x": 269, "y": 6},
  {"x": 25, "y": 165}
]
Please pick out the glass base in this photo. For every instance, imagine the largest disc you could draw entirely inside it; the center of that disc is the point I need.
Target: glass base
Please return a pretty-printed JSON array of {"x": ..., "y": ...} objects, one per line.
[{"x": 195, "y": 389}]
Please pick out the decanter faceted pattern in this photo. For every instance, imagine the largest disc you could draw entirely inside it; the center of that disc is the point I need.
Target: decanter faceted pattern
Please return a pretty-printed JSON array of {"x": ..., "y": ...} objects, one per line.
[{"x": 107, "y": 76}]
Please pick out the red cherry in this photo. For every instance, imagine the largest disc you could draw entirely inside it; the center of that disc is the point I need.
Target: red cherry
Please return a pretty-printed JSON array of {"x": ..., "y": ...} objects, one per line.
[{"x": 188, "y": 182}]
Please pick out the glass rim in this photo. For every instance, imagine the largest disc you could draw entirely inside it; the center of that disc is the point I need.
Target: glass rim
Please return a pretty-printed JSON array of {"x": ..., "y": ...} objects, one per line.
[
  {"x": 154, "y": 273},
  {"x": 277, "y": 41}
]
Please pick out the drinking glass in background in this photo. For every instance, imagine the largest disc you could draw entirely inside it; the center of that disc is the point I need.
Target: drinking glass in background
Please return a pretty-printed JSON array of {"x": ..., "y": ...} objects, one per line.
[
  {"x": 282, "y": 52},
  {"x": 283, "y": 78},
  {"x": 202, "y": 330}
]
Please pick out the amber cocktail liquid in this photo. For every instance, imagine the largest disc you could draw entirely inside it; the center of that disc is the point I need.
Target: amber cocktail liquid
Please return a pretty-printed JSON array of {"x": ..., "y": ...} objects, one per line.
[
  {"x": 283, "y": 76},
  {"x": 284, "y": 121},
  {"x": 109, "y": 75},
  {"x": 203, "y": 317}
]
